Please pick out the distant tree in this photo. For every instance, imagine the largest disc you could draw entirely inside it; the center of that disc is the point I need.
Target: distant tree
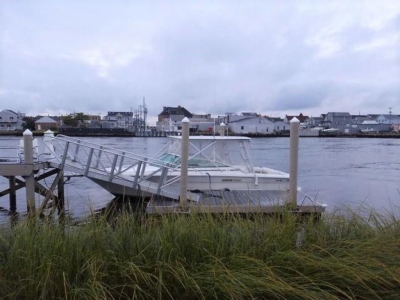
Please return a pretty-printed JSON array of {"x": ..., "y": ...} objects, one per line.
[
  {"x": 81, "y": 117},
  {"x": 29, "y": 123},
  {"x": 70, "y": 121}
]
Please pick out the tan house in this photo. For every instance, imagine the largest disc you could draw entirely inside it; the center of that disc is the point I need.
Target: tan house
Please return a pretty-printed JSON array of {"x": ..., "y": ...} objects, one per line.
[{"x": 46, "y": 123}]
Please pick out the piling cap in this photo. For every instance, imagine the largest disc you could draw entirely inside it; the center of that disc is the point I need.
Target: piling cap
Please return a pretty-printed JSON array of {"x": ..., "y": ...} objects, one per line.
[
  {"x": 185, "y": 120},
  {"x": 295, "y": 120},
  {"x": 27, "y": 132}
]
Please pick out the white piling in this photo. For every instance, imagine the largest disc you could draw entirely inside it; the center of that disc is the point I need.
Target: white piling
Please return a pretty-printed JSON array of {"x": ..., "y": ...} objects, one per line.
[
  {"x": 222, "y": 129},
  {"x": 29, "y": 180},
  {"x": 294, "y": 161},
  {"x": 184, "y": 163},
  {"x": 48, "y": 153}
]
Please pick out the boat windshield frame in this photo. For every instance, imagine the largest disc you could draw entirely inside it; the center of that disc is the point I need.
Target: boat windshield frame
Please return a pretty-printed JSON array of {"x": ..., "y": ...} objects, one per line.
[{"x": 210, "y": 152}]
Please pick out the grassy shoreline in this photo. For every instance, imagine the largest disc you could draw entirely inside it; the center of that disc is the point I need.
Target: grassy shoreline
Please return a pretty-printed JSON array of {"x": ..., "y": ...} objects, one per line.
[{"x": 204, "y": 257}]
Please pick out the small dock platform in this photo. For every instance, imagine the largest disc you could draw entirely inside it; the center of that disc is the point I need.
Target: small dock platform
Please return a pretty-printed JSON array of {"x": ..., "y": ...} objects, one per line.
[{"x": 226, "y": 201}]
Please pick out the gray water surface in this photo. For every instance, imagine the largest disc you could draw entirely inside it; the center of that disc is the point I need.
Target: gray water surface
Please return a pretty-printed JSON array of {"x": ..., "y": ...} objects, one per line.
[{"x": 335, "y": 171}]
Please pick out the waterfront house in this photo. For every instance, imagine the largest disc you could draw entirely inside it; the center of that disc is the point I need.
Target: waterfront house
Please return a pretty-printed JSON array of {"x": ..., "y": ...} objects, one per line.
[
  {"x": 338, "y": 120},
  {"x": 46, "y": 123},
  {"x": 198, "y": 123},
  {"x": 300, "y": 117},
  {"x": 388, "y": 119},
  {"x": 251, "y": 124},
  {"x": 11, "y": 120},
  {"x": 359, "y": 119},
  {"x": 313, "y": 122},
  {"x": 118, "y": 119},
  {"x": 174, "y": 111}
]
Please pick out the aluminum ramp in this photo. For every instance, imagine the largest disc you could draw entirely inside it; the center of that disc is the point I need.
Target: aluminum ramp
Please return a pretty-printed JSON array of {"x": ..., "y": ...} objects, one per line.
[{"x": 106, "y": 166}]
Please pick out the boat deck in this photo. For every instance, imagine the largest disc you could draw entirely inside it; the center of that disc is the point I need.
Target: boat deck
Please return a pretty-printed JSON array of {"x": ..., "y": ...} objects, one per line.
[{"x": 221, "y": 201}]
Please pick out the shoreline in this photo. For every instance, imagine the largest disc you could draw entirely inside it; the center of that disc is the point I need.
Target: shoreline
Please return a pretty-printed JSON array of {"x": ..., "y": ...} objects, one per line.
[{"x": 251, "y": 135}]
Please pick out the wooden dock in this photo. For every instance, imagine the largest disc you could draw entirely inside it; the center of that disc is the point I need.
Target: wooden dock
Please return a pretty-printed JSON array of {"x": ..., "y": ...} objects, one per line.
[{"x": 226, "y": 201}]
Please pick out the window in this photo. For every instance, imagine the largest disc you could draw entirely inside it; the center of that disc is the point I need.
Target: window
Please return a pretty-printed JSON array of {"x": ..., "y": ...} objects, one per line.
[
  {"x": 241, "y": 127},
  {"x": 11, "y": 118}
]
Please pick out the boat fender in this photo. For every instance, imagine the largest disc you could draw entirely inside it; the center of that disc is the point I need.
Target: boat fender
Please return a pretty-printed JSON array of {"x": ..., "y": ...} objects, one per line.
[{"x": 256, "y": 180}]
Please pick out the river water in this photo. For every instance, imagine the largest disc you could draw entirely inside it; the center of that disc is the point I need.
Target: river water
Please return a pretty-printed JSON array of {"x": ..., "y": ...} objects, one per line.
[{"x": 336, "y": 171}]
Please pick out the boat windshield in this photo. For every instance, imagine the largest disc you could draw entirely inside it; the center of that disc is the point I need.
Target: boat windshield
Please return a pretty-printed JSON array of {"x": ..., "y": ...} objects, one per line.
[{"x": 194, "y": 162}]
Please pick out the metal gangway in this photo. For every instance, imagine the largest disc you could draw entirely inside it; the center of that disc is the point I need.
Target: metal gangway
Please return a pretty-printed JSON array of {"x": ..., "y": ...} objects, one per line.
[{"x": 106, "y": 165}]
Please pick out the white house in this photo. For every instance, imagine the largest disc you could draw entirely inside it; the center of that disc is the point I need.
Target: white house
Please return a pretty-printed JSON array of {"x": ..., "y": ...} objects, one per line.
[
  {"x": 250, "y": 124},
  {"x": 388, "y": 119},
  {"x": 10, "y": 120},
  {"x": 118, "y": 119}
]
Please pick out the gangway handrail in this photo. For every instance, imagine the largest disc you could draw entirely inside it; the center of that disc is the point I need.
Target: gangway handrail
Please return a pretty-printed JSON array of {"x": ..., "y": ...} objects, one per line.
[
  {"x": 110, "y": 150},
  {"x": 80, "y": 155}
]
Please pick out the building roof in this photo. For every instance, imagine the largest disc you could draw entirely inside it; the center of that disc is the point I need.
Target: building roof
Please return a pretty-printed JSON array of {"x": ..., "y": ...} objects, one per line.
[
  {"x": 11, "y": 111},
  {"x": 46, "y": 120},
  {"x": 340, "y": 114},
  {"x": 180, "y": 110},
  {"x": 275, "y": 119},
  {"x": 300, "y": 117},
  {"x": 121, "y": 113},
  {"x": 370, "y": 122}
]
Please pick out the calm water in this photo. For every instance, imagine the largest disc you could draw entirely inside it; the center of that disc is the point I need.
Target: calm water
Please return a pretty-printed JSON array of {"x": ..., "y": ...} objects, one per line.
[{"x": 335, "y": 171}]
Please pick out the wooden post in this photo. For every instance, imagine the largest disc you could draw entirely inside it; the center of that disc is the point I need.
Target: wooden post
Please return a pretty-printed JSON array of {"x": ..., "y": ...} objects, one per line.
[
  {"x": 29, "y": 180},
  {"x": 60, "y": 196},
  {"x": 184, "y": 163},
  {"x": 13, "y": 197},
  {"x": 294, "y": 160}
]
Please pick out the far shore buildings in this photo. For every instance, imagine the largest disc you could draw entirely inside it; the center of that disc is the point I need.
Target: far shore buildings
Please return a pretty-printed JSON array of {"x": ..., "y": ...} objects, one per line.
[
  {"x": 170, "y": 120},
  {"x": 46, "y": 123},
  {"x": 118, "y": 119},
  {"x": 11, "y": 120}
]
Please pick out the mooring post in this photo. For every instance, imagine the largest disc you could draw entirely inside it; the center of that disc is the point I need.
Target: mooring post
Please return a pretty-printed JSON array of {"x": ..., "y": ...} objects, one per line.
[
  {"x": 222, "y": 129},
  {"x": 29, "y": 180},
  {"x": 13, "y": 197},
  {"x": 184, "y": 163},
  {"x": 48, "y": 153},
  {"x": 294, "y": 161}
]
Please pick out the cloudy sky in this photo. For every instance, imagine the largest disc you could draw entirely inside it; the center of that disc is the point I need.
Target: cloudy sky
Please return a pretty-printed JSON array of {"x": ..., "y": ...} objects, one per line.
[{"x": 271, "y": 57}]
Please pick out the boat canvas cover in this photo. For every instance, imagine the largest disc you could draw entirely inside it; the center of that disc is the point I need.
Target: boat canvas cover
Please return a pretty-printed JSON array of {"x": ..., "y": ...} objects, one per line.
[{"x": 218, "y": 151}]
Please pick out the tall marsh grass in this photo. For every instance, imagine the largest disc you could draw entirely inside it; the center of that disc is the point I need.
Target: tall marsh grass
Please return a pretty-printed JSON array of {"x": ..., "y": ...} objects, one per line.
[{"x": 204, "y": 257}]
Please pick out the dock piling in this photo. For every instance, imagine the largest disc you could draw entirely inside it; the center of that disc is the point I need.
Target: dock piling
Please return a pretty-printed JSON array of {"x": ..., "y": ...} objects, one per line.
[
  {"x": 294, "y": 161},
  {"x": 184, "y": 163},
  {"x": 29, "y": 180}
]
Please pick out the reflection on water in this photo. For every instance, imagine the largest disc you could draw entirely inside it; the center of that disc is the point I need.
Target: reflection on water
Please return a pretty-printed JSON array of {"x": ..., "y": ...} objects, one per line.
[{"x": 335, "y": 171}]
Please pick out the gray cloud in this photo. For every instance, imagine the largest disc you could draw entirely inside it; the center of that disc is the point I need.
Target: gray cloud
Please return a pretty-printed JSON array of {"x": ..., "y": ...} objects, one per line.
[{"x": 213, "y": 57}]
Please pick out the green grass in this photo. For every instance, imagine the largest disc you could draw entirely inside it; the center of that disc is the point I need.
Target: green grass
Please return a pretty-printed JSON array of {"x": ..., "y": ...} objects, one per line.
[{"x": 204, "y": 257}]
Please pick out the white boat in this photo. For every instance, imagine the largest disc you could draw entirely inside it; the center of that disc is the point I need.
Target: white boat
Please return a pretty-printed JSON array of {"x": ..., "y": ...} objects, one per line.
[
  {"x": 215, "y": 163},
  {"x": 368, "y": 130},
  {"x": 331, "y": 130},
  {"x": 317, "y": 128}
]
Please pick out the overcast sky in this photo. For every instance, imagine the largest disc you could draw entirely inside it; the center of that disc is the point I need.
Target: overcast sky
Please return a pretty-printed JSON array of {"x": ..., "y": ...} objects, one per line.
[{"x": 271, "y": 57}]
